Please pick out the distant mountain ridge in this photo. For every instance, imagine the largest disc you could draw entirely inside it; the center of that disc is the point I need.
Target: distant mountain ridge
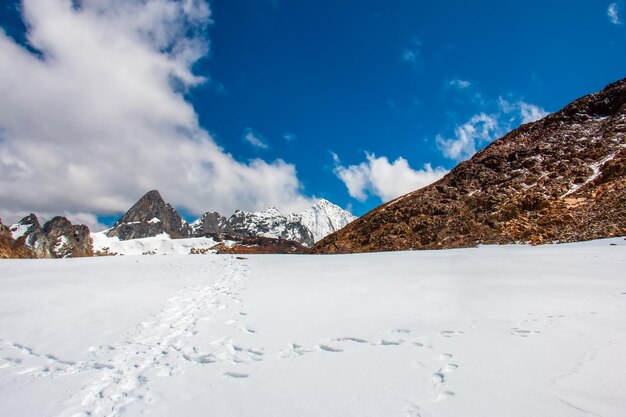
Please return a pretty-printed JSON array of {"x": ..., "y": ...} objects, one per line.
[
  {"x": 58, "y": 238},
  {"x": 151, "y": 216},
  {"x": 560, "y": 179}
]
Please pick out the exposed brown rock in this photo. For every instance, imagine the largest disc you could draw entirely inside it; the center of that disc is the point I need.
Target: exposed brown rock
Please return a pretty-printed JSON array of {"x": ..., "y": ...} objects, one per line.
[
  {"x": 11, "y": 248},
  {"x": 67, "y": 240},
  {"x": 58, "y": 238},
  {"x": 560, "y": 179}
]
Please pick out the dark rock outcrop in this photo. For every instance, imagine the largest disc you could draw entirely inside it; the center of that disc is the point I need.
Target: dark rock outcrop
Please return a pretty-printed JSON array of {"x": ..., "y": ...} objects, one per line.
[
  {"x": 66, "y": 240},
  {"x": 560, "y": 179},
  {"x": 258, "y": 245},
  {"x": 150, "y": 216}
]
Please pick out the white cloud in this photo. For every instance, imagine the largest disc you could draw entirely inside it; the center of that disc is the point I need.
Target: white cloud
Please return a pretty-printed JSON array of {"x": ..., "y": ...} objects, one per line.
[
  {"x": 254, "y": 139},
  {"x": 289, "y": 137},
  {"x": 530, "y": 112},
  {"x": 386, "y": 180},
  {"x": 480, "y": 129},
  {"x": 484, "y": 128},
  {"x": 613, "y": 13},
  {"x": 100, "y": 116},
  {"x": 460, "y": 84}
]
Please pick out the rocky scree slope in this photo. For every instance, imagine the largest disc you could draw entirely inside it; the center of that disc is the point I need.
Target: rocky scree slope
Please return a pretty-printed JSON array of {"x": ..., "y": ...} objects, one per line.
[{"x": 560, "y": 179}]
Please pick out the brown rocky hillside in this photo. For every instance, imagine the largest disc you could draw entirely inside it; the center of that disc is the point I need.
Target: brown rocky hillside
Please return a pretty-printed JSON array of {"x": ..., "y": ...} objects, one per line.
[
  {"x": 10, "y": 248},
  {"x": 560, "y": 179}
]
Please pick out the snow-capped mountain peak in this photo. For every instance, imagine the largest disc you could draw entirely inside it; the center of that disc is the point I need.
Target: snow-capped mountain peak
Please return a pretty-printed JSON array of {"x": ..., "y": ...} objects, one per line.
[
  {"x": 306, "y": 227},
  {"x": 323, "y": 218}
]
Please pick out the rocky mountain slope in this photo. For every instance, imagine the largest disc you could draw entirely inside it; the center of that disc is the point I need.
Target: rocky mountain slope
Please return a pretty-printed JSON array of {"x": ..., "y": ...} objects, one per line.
[
  {"x": 58, "y": 238},
  {"x": 12, "y": 248},
  {"x": 150, "y": 216},
  {"x": 560, "y": 179}
]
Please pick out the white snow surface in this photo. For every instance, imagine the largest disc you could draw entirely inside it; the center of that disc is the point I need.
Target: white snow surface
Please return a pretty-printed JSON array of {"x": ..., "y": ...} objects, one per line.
[
  {"x": 158, "y": 245},
  {"x": 18, "y": 230},
  {"x": 512, "y": 331}
]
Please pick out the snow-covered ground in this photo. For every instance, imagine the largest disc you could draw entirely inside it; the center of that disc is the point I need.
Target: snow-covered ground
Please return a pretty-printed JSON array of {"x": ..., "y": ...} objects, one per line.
[
  {"x": 157, "y": 245},
  {"x": 493, "y": 331}
]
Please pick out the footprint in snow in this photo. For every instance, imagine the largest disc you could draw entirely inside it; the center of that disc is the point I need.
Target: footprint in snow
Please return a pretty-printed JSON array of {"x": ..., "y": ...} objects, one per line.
[
  {"x": 350, "y": 339},
  {"x": 330, "y": 348},
  {"x": 236, "y": 375},
  {"x": 247, "y": 330},
  {"x": 384, "y": 342},
  {"x": 449, "y": 333},
  {"x": 444, "y": 396},
  {"x": 523, "y": 333}
]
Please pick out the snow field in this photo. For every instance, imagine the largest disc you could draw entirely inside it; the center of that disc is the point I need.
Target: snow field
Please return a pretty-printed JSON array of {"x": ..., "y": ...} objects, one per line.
[{"x": 509, "y": 330}]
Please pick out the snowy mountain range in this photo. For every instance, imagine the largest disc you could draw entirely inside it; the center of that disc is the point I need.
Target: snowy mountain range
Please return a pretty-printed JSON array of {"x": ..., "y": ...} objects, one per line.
[
  {"x": 306, "y": 227},
  {"x": 151, "y": 216}
]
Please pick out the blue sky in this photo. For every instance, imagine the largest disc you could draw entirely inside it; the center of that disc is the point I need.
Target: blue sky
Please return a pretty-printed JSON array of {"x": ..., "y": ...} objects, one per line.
[{"x": 333, "y": 88}]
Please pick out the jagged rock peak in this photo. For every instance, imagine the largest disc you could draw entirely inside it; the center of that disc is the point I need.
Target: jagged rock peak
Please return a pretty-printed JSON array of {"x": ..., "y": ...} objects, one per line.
[
  {"x": 559, "y": 179},
  {"x": 66, "y": 240},
  {"x": 150, "y": 216}
]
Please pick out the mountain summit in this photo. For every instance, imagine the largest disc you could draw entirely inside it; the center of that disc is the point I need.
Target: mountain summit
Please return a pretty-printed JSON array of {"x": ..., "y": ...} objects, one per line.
[
  {"x": 560, "y": 179},
  {"x": 150, "y": 216}
]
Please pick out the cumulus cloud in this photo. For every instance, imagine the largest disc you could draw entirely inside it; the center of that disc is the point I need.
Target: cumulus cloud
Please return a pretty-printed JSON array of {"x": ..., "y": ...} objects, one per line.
[
  {"x": 98, "y": 115},
  {"x": 255, "y": 139},
  {"x": 613, "y": 13},
  {"x": 387, "y": 180},
  {"x": 530, "y": 112},
  {"x": 483, "y": 128}
]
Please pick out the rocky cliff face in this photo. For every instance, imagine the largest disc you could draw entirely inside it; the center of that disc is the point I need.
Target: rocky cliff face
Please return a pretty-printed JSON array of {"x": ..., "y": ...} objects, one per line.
[
  {"x": 66, "y": 240},
  {"x": 150, "y": 216},
  {"x": 58, "y": 238},
  {"x": 560, "y": 179}
]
